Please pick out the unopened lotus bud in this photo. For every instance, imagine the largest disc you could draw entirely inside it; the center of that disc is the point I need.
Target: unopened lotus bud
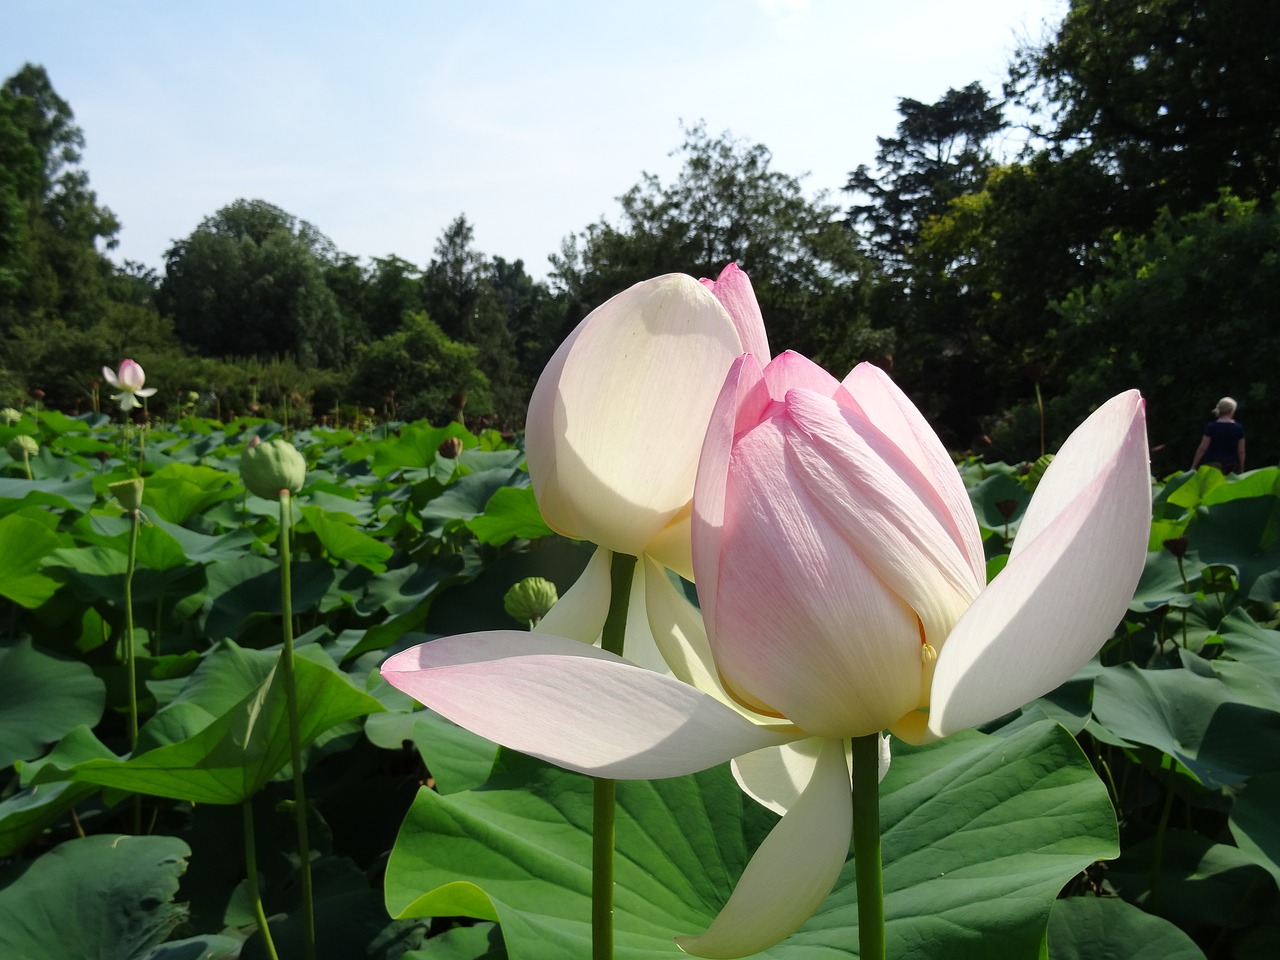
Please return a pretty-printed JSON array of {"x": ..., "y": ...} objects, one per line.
[
  {"x": 530, "y": 599},
  {"x": 271, "y": 468},
  {"x": 449, "y": 448},
  {"x": 128, "y": 493},
  {"x": 23, "y": 446},
  {"x": 10, "y": 416}
]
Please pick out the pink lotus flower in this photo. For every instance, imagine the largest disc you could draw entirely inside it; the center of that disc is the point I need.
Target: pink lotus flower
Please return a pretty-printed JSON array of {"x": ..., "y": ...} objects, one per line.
[
  {"x": 129, "y": 381},
  {"x": 843, "y": 588},
  {"x": 614, "y": 428}
]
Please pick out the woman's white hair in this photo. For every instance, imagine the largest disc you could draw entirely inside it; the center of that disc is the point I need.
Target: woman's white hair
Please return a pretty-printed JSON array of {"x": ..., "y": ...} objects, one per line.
[{"x": 1226, "y": 407}]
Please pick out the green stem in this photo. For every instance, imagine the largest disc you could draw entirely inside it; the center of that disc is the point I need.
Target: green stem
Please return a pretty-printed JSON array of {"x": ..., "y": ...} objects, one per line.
[
  {"x": 866, "y": 846},
  {"x": 615, "y": 623},
  {"x": 602, "y": 836},
  {"x": 603, "y": 802},
  {"x": 295, "y": 742},
  {"x": 251, "y": 872},
  {"x": 26, "y": 464},
  {"x": 130, "y": 659}
]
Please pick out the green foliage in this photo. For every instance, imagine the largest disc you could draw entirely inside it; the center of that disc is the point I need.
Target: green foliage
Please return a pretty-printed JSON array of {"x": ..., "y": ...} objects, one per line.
[
  {"x": 512, "y": 851},
  {"x": 1185, "y": 312},
  {"x": 250, "y": 280},
  {"x": 727, "y": 204},
  {"x": 420, "y": 373}
]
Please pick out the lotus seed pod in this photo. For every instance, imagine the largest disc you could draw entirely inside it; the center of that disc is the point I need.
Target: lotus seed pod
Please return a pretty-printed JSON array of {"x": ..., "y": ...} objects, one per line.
[
  {"x": 10, "y": 416},
  {"x": 23, "y": 446},
  {"x": 128, "y": 493},
  {"x": 530, "y": 599},
  {"x": 450, "y": 447},
  {"x": 270, "y": 468}
]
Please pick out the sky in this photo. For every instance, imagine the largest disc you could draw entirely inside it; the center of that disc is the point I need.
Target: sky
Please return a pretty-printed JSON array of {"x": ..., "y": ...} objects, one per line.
[{"x": 380, "y": 123}]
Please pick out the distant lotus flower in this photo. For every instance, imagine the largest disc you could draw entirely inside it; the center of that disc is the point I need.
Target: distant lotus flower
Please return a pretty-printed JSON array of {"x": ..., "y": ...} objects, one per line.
[{"x": 129, "y": 381}]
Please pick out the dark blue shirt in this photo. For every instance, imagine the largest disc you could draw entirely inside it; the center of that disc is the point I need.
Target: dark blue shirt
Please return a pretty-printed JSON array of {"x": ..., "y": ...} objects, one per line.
[{"x": 1224, "y": 443}]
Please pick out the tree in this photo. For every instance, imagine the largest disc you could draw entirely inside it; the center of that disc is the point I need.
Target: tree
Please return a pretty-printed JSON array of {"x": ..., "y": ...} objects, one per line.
[
  {"x": 250, "y": 281},
  {"x": 1186, "y": 312},
  {"x": 728, "y": 204},
  {"x": 942, "y": 151},
  {"x": 425, "y": 369},
  {"x": 1175, "y": 97},
  {"x": 50, "y": 220},
  {"x": 458, "y": 296}
]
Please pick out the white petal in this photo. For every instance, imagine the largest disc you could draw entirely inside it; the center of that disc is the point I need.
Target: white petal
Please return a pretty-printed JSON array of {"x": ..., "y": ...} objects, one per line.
[
  {"x": 110, "y": 376},
  {"x": 581, "y": 612},
  {"x": 574, "y": 705},
  {"x": 617, "y": 418},
  {"x": 793, "y": 870},
  {"x": 146, "y": 392},
  {"x": 775, "y": 777},
  {"x": 1065, "y": 587}
]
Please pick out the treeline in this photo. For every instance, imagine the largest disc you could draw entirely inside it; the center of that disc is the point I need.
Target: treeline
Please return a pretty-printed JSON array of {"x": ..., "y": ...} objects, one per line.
[{"x": 1133, "y": 241}]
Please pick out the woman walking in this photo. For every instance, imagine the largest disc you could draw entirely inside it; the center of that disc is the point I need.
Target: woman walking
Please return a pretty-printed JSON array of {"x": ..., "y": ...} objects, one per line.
[{"x": 1223, "y": 443}]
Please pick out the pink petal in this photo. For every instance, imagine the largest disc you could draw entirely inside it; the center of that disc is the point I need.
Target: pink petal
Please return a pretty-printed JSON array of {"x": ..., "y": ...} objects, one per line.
[
  {"x": 792, "y": 872},
  {"x": 881, "y": 504},
  {"x": 893, "y": 413},
  {"x": 803, "y": 626},
  {"x": 1070, "y": 576},
  {"x": 742, "y": 402},
  {"x": 574, "y": 705},
  {"x": 733, "y": 289}
]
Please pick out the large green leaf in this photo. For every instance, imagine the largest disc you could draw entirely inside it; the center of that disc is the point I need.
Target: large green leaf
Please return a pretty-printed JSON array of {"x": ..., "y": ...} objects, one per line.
[
  {"x": 1106, "y": 928},
  {"x": 344, "y": 542},
  {"x": 178, "y": 490},
  {"x": 42, "y": 697},
  {"x": 1254, "y": 824},
  {"x": 1195, "y": 719},
  {"x": 511, "y": 512},
  {"x": 25, "y": 814},
  {"x": 96, "y": 898},
  {"x": 233, "y": 757},
  {"x": 1198, "y": 883},
  {"x": 979, "y": 833},
  {"x": 24, "y": 543}
]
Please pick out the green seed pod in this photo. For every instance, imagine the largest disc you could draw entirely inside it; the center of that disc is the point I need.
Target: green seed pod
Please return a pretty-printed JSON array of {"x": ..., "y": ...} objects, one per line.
[
  {"x": 270, "y": 468},
  {"x": 530, "y": 599},
  {"x": 23, "y": 446},
  {"x": 128, "y": 493},
  {"x": 10, "y": 416}
]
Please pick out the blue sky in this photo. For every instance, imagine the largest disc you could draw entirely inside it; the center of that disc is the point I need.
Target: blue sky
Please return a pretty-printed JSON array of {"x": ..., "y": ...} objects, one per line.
[{"x": 381, "y": 122}]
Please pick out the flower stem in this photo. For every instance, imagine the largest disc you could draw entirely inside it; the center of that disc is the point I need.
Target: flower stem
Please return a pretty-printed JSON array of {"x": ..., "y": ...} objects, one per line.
[
  {"x": 866, "y": 846},
  {"x": 295, "y": 742},
  {"x": 603, "y": 801},
  {"x": 130, "y": 658},
  {"x": 251, "y": 872}
]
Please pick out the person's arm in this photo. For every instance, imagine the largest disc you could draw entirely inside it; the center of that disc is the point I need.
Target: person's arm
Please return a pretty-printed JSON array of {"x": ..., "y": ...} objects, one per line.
[
  {"x": 1240, "y": 453},
  {"x": 1204, "y": 445}
]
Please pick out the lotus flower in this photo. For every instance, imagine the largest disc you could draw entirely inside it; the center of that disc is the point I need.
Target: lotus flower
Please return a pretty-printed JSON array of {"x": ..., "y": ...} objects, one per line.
[
  {"x": 614, "y": 427},
  {"x": 842, "y": 582},
  {"x": 129, "y": 381}
]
